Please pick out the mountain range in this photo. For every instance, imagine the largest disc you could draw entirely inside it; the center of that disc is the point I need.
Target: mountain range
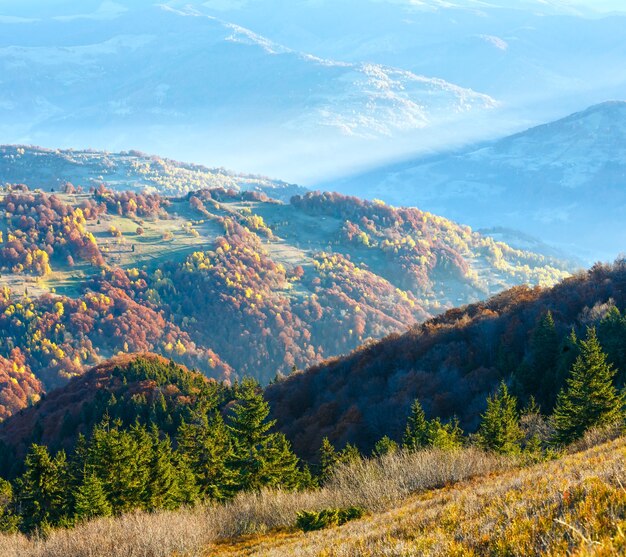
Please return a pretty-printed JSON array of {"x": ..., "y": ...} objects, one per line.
[
  {"x": 277, "y": 88},
  {"x": 147, "y": 73}
]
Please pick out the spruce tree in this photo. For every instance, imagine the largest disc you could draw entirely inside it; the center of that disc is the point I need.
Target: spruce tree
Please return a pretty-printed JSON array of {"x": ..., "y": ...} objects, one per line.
[
  {"x": 350, "y": 453},
  {"x": 500, "y": 429},
  {"x": 447, "y": 436},
  {"x": 8, "y": 520},
  {"x": 328, "y": 460},
  {"x": 416, "y": 433},
  {"x": 43, "y": 488},
  {"x": 545, "y": 351},
  {"x": 121, "y": 460},
  {"x": 207, "y": 449},
  {"x": 589, "y": 398},
  {"x": 280, "y": 467},
  {"x": 385, "y": 446},
  {"x": 90, "y": 500},
  {"x": 261, "y": 458},
  {"x": 162, "y": 490},
  {"x": 612, "y": 337}
]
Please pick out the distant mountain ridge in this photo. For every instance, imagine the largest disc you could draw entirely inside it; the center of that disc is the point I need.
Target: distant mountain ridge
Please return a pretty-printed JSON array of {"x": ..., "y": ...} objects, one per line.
[
  {"x": 38, "y": 167},
  {"x": 563, "y": 182},
  {"x": 146, "y": 73}
]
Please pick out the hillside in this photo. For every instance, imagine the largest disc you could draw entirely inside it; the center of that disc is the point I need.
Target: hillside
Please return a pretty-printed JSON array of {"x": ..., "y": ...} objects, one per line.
[
  {"x": 143, "y": 387},
  {"x": 127, "y": 171},
  {"x": 574, "y": 506},
  {"x": 230, "y": 283},
  {"x": 452, "y": 362},
  {"x": 462, "y": 503},
  {"x": 548, "y": 181}
]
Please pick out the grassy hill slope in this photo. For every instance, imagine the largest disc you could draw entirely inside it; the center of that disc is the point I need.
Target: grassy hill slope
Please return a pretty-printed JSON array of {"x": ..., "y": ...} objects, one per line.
[
  {"x": 573, "y": 506},
  {"x": 460, "y": 504}
]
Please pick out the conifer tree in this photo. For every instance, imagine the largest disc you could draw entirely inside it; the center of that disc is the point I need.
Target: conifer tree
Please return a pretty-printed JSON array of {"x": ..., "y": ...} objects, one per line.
[
  {"x": 328, "y": 460},
  {"x": 350, "y": 453},
  {"x": 385, "y": 446},
  {"x": 188, "y": 489},
  {"x": 447, "y": 436},
  {"x": 261, "y": 458},
  {"x": 43, "y": 488},
  {"x": 589, "y": 398},
  {"x": 207, "y": 448},
  {"x": 121, "y": 460},
  {"x": 500, "y": 429},
  {"x": 90, "y": 500},
  {"x": 8, "y": 520},
  {"x": 162, "y": 491},
  {"x": 416, "y": 433},
  {"x": 545, "y": 347},
  {"x": 612, "y": 337},
  {"x": 280, "y": 464}
]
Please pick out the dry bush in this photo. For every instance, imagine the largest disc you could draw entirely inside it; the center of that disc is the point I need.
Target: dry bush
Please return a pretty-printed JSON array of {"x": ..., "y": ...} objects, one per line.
[
  {"x": 596, "y": 436},
  {"x": 374, "y": 484}
]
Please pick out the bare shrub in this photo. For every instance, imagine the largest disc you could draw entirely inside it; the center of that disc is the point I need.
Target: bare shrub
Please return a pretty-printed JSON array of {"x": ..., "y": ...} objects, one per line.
[
  {"x": 374, "y": 484},
  {"x": 596, "y": 436}
]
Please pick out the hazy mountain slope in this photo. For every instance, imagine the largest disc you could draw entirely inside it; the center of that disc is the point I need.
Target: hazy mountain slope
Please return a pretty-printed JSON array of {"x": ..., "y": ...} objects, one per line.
[
  {"x": 51, "y": 169},
  {"x": 173, "y": 80},
  {"x": 563, "y": 182},
  {"x": 516, "y": 51},
  {"x": 450, "y": 363}
]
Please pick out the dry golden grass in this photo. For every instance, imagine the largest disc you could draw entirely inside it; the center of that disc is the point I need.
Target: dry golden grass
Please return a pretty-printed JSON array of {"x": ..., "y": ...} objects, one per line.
[
  {"x": 573, "y": 506},
  {"x": 374, "y": 485},
  {"x": 463, "y": 503}
]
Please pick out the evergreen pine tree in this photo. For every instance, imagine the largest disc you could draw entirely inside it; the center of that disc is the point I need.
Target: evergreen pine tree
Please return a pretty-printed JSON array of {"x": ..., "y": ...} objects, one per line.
[
  {"x": 589, "y": 398},
  {"x": 612, "y": 337},
  {"x": 121, "y": 460},
  {"x": 328, "y": 460},
  {"x": 281, "y": 465},
  {"x": 350, "y": 453},
  {"x": 207, "y": 449},
  {"x": 385, "y": 446},
  {"x": 162, "y": 490},
  {"x": 500, "y": 429},
  {"x": 416, "y": 433},
  {"x": 90, "y": 500},
  {"x": 188, "y": 489},
  {"x": 8, "y": 520},
  {"x": 447, "y": 436},
  {"x": 545, "y": 352},
  {"x": 261, "y": 458},
  {"x": 42, "y": 488}
]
